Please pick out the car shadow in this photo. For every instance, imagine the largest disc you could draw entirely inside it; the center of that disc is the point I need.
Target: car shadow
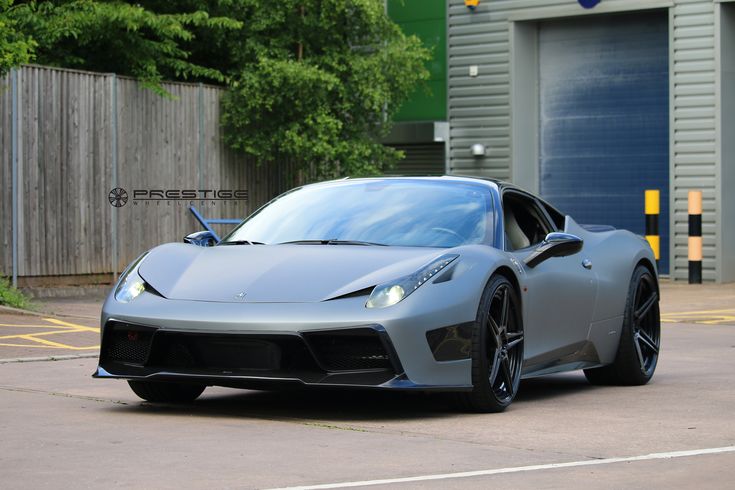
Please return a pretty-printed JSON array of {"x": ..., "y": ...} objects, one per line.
[
  {"x": 552, "y": 386},
  {"x": 347, "y": 405},
  {"x": 313, "y": 404}
]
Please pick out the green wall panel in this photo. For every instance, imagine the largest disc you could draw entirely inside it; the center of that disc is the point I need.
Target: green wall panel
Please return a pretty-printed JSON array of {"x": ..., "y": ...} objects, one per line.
[
  {"x": 427, "y": 103},
  {"x": 425, "y": 19},
  {"x": 411, "y": 10}
]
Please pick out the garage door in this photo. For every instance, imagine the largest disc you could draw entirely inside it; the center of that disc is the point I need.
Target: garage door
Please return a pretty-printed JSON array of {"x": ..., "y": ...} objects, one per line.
[{"x": 604, "y": 118}]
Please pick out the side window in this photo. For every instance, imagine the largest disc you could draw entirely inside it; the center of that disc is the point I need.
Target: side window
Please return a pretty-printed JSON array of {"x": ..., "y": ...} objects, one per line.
[
  {"x": 523, "y": 222},
  {"x": 558, "y": 218}
]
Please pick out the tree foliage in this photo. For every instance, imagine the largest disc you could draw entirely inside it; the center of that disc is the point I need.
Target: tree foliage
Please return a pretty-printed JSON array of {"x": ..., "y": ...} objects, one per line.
[
  {"x": 319, "y": 82},
  {"x": 311, "y": 81},
  {"x": 15, "y": 47},
  {"x": 113, "y": 36}
]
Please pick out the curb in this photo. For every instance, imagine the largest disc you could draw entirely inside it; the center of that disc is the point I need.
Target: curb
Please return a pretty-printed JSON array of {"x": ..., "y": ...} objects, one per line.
[
  {"x": 66, "y": 357},
  {"x": 17, "y": 311},
  {"x": 9, "y": 310}
]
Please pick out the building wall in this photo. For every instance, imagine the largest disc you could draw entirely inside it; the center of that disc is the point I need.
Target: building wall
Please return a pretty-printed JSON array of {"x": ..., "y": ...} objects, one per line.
[
  {"x": 726, "y": 157},
  {"x": 481, "y": 107},
  {"x": 426, "y": 19}
]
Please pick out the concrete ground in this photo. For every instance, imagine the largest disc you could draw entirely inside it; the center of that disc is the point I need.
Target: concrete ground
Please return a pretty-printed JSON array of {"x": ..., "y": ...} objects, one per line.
[{"x": 60, "y": 428}]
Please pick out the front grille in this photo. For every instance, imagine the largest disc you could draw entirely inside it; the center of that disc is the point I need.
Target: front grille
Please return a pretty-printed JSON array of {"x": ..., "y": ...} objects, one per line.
[
  {"x": 227, "y": 352},
  {"x": 349, "y": 350},
  {"x": 127, "y": 343}
]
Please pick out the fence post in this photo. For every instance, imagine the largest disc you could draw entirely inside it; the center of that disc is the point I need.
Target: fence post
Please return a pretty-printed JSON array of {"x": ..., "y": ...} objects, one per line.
[
  {"x": 695, "y": 237},
  {"x": 14, "y": 165},
  {"x": 200, "y": 132},
  {"x": 113, "y": 155},
  {"x": 653, "y": 209}
]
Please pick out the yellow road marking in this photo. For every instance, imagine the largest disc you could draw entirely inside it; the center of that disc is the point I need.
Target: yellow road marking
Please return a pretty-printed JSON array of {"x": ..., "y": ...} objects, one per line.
[
  {"x": 13, "y": 325},
  {"x": 702, "y": 312},
  {"x": 55, "y": 344},
  {"x": 24, "y": 345},
  {"x": 704, "y": 317},
  {"x": 724, "y": 319},
  {"x": 36, "y": 340},
  {"x": 38, "y": 334},
  {"x": 72, "y": 325}
]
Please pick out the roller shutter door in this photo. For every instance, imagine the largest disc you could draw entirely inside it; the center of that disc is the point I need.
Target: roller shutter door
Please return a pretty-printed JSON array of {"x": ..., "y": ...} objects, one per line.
[
  {"x": 604, "y": 118},
  {"x": 421, "y": 159}
]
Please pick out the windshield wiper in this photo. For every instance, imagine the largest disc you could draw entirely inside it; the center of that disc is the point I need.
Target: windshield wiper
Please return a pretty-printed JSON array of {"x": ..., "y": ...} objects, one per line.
[
  {"x": 241, "y": 242},
  {"x": 332, "y": 242}
]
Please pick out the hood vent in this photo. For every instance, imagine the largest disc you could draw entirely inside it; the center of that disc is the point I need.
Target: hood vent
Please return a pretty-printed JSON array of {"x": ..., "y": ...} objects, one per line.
[{"x": 354, "y": 294}]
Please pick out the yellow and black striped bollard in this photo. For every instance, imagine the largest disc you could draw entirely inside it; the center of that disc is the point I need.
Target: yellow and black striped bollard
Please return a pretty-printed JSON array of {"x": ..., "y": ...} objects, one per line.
[
  {"x": 653, "y": 209},
  {"x": 695, "y": 237}
]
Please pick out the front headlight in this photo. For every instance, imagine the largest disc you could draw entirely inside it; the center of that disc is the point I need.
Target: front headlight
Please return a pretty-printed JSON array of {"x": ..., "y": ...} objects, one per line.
[
  {"x": 393, "y": 292},
  {"x": 131, "y": 285}
]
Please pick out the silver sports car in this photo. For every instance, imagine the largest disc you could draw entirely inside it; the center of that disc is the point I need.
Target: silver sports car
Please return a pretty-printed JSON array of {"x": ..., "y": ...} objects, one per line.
[{"x": 433, "y": 284}]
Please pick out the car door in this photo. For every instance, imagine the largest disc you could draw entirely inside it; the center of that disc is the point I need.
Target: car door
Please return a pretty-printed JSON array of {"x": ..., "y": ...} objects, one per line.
[{"x": 559, "y": 296}]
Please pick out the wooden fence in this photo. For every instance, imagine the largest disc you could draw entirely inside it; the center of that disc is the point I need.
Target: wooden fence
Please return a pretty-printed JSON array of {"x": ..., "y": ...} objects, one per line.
[{"x": 70, "y": 137}]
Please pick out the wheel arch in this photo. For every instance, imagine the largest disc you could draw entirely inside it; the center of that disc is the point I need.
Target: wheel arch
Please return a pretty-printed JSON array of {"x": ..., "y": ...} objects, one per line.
[
  {"x": 508, "y": 273},
  {"x": 651, "y": 268}
]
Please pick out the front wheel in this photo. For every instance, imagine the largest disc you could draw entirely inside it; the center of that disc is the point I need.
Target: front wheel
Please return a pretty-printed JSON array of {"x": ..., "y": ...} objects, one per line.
[
  {"x": 166, "y": 392},
  {"x": 497, "y": 349},
  {"x": 640, "y": 339}
]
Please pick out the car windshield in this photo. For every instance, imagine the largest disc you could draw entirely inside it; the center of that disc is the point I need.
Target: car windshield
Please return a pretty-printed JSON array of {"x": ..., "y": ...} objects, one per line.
[{"x": 400, "y": 212}]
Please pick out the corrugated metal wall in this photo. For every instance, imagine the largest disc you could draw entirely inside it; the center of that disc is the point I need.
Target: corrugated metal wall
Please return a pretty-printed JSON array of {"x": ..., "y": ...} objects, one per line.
[
  {"x": 420, "y": 159},
  {"x": 693, "y": 129},
  {"x": 479, "y": 107}
]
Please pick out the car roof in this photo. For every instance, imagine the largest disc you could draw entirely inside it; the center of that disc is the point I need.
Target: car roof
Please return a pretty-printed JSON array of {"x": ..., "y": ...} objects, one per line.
[{"x": 498, "y": 184}]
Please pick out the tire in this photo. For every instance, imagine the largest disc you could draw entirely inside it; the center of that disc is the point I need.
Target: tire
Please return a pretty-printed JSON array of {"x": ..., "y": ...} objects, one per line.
[
  {"x": 166, "y": 392},
  {"x": 497, "y": 350},
  {"x": 640, "y": 339}
]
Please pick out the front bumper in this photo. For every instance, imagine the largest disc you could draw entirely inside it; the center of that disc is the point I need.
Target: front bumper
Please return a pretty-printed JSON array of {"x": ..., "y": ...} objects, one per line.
[
  {"x": 360, "y": 356},
  {"x": 279, "y": 343}
]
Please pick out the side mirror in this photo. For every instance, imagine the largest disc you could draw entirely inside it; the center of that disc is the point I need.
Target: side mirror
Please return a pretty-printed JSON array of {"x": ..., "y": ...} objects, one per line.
[
  {"x": 555, "y": 245},
  {"x": 201, "y": 239}
]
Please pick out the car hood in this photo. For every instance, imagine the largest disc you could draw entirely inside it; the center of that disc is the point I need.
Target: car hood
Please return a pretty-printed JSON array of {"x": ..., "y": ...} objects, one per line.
[{"x": 276, "y": 273}]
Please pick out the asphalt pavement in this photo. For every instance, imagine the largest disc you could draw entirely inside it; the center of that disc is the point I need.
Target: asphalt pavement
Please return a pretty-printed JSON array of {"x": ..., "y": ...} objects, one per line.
[{"x": 59, "y": 428}]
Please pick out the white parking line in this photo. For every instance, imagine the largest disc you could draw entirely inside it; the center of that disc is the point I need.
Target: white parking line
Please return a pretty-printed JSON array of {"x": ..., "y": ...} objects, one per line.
[{"x": 517, "y": 469}]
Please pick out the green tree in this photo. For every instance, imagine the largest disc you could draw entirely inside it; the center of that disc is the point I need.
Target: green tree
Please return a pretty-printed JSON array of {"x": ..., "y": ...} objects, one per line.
[
  {"x": 114, "y": 36},
  {"x": 319, "y": 82},
  {"x": 15, "y": 47}
]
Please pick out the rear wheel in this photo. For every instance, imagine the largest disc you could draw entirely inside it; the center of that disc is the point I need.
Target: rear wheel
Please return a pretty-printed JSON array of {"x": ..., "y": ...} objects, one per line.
[
  {"x": 640, "y": 340},
  {"x": 497, "y": 350},
  {"x": 166, "y": 392}
]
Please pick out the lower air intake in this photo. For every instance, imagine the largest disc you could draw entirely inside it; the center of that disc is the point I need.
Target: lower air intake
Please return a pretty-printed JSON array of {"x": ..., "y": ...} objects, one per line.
[
  {"x": 349, "y": 350},
  {"x": 127, "y": 343}
]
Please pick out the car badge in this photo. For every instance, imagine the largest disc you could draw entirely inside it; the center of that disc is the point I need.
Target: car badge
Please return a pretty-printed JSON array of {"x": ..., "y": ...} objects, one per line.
[{"x": 241, "y": 295}]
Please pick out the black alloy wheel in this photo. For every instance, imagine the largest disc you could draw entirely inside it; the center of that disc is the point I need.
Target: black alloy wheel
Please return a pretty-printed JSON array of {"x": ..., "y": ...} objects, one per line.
[
  {"x": 497, "y": 350},
  {"x": 504, "y": 345},
  {"x": 646, "y": 325},
  {"x": 640, "y": 339}
]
